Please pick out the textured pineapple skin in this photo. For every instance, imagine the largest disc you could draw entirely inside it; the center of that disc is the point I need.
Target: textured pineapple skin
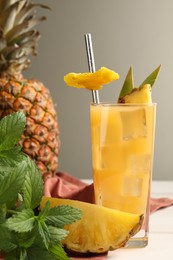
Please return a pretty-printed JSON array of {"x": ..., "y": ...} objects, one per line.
[{"x": 40, "y": 139}]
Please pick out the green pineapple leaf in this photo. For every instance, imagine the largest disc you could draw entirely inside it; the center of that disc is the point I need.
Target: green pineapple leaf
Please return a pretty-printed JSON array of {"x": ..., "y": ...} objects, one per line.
[
  {"x": 128, "y": 84},
  {"x": 152, "y": 77},
  {"x": 11, "y": 129}
]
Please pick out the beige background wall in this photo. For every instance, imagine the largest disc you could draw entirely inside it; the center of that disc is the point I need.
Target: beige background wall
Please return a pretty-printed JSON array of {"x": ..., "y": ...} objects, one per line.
[{"x": 124, "y": 33}]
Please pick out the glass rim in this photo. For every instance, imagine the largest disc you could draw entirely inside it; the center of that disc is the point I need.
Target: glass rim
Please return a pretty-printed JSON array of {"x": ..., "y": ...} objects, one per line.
[{"x": 114, "y": 104}]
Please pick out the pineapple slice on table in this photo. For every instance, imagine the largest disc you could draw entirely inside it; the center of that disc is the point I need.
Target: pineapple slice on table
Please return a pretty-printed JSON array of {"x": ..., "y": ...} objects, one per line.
[{"x": 100, "y": 229}]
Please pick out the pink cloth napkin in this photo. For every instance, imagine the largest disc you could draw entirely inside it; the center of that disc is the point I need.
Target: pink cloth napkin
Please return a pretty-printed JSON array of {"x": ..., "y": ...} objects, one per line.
[
  {"x": 66, "y": 186},
  {"x": 159, "y": 203}
]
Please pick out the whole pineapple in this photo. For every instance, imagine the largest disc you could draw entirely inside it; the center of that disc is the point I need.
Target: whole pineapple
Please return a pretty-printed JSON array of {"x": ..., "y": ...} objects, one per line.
[{"x": 18, "y": 40}]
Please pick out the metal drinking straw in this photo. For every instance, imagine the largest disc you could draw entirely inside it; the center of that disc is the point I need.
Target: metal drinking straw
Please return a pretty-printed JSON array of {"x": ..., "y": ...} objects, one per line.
[{"x": 91, "y": 63}]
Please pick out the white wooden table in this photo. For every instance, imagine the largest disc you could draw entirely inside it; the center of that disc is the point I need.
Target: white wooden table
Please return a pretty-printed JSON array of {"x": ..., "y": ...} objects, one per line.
[{"x": 160, "y": 244}]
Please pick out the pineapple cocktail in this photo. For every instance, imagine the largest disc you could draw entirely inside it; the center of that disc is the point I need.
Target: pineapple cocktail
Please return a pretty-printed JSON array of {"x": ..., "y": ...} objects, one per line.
[
  {"x": 122, "y": 136},
  {"x": 122, "y": 155}
]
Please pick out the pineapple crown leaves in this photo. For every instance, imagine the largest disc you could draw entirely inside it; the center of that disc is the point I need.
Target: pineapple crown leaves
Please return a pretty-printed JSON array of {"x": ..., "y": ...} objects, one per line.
[
  {"x": 17, "y": 38},
  {"x": 129, "y": 82},
  {"x": 27, "y": 233}
]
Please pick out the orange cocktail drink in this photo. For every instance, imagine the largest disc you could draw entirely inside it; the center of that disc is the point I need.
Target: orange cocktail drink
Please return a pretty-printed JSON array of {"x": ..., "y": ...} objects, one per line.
[{"x": 122, "y": 155}]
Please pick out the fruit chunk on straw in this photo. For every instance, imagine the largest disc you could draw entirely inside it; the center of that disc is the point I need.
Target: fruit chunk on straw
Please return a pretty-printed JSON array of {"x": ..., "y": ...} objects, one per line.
[{"x": 91, "y": 81}]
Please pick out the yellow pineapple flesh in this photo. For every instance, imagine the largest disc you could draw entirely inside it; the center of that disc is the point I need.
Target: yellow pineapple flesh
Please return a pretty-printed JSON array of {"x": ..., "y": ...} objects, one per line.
[
  {"x": 100, "y": 229},
  {"x": 138, "y": 95},
  {"x": 18, "y": 40},
  {"x": 91, "y": 81}
]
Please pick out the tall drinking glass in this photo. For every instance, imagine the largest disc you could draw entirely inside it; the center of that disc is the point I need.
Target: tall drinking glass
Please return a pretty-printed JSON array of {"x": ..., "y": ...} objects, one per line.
[{"x": 122, "y": 138}]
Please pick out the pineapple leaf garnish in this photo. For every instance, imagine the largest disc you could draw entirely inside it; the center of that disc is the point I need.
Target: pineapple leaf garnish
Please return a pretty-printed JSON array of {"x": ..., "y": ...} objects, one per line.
[
  {"x": 152, "y": 77},
  {"x": 128, "y": 84},
  {"x": 26, "y": 232}
]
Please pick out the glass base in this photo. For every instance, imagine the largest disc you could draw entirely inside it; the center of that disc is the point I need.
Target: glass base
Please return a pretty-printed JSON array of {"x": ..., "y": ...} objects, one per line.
[{"x": 137, "y": 242}]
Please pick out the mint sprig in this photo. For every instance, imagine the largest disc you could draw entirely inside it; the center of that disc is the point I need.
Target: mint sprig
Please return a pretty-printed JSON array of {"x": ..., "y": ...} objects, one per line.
[{"x": 27, "y": 233}]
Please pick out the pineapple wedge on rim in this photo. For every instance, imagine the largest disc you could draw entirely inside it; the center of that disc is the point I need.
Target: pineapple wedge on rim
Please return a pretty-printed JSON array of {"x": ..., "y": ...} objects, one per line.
[
  {"x": 142, "y": 94},
  {"x": 99, "y": 230},
  {"x": 138, "y": 95}
]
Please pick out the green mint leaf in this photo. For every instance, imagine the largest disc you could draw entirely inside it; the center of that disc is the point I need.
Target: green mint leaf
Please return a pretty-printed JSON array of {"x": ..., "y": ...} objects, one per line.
[
  {"x": 62, "y": 215},
  {"x": 44, "y": 212},
  {"x": 10, "y": 158},
  {"x": 39, "y": 253},
  {"x": 6, "y": 242},
  {"x": 11, "y": 256},
  {"x": 26, "y": 239},
  {"x": 33, "y": 186},
  {"x": 11, "y": 129},
  {"x": 3, "y": 210},
  {"x": 57, "y": 234},
  {"x": 43, "y": 231},
  {"x": 59, "y": 252},
  {"x": 21, "y": 221},
  {"x": 128, "y": 84},
  {"x": 11, "y": 183},
  {"x": 22, "y": 254},
  {"x": 152, "y": 77}
]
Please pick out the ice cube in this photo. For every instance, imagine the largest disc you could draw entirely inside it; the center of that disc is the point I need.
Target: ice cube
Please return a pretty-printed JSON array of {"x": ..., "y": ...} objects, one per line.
[
  {"x": 139, "y": 163},
  {"x": 112, "y": 158},
  {"x": 132, "y": 186},
  {"x": 134, "y": 124}
]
